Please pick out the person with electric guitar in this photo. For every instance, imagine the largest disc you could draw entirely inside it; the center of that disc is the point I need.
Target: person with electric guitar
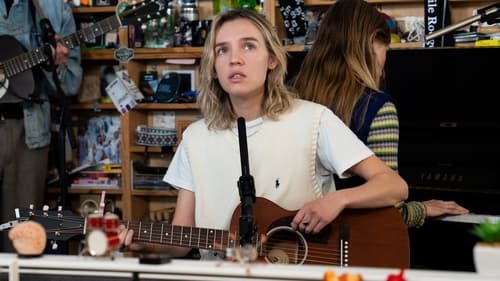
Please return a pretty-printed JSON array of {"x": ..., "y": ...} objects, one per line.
[
  {"x": 294, "y": 148},
  {"x": 25, "y": 89}
]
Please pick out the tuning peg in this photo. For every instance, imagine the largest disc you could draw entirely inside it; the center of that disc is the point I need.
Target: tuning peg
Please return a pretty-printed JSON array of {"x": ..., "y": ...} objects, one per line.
[
  {"x": 54, "y": 245},
  {"x": 17, "y": 213},
  {"x": 32, "y": 209},
  {"x": 59, "y": 212},
  {"x": 45, "y": 209}
]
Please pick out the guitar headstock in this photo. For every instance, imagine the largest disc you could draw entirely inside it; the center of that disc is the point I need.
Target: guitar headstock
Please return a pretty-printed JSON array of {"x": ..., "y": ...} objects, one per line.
[
  {"x": 59, "y": 225},
  {"x": 141, "y": 11}
]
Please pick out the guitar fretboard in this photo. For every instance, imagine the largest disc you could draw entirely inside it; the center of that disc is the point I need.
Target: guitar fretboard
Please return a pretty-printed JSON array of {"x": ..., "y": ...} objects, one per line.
[
  {"x": 37, "y": 56},
  {"x": 184, "y": 236}
]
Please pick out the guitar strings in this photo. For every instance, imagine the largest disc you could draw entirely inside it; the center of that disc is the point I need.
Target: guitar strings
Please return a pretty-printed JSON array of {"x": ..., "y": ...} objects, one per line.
[{"x": 184, "y": 237}]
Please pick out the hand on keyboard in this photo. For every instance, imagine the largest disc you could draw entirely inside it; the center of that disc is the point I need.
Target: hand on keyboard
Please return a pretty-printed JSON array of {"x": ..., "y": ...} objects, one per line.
[{"x": 436, "y": 208}]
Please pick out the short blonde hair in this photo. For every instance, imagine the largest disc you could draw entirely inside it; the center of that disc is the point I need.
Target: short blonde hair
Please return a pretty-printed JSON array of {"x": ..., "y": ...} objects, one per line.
[{"x": 214, "y": 102}]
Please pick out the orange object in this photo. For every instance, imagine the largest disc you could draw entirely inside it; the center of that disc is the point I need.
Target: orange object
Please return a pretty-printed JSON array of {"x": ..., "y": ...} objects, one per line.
[
  {"x": 330, "y": 275},
  {"x": 350, "y": 277}
]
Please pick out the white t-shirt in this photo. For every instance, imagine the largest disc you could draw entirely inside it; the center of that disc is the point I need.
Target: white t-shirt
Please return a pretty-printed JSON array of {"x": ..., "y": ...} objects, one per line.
[{"x": 338, "y": 149}]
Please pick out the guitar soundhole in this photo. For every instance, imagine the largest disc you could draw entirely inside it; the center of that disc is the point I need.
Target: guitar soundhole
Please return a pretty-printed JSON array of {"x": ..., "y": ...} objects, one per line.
[{"x": 285, "y": 245}]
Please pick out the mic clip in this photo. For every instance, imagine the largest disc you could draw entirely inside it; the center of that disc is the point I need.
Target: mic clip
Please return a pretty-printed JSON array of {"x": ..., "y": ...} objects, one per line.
[
  {"x": 49, "y": 42},
  {"x": 490, "y": 14}
]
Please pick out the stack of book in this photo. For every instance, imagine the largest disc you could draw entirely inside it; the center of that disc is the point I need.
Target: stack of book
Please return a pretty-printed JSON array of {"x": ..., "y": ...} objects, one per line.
[
  {"x": 469, "y": 38},
  {"x": 103, "y": 176},
  {"x": 148, "y": 177}
]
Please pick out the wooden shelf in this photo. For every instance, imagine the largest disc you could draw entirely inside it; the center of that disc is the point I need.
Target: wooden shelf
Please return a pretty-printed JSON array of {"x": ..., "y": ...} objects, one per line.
[
  {"x": 98, "y": 54},
  {"x": 141, "y": 106},
  {"x": 146, "y": 53},
  {"x": 166, "y": 106},
  {"x": 168, "y": 53},
  {"x": 409, "y": 45},
  {"x": 95, "y": 9},
  {"x": 92, "y": 106},
  {"x": 166, "y": 193},
  {"x": 402, "y": 2},
  {"x": 93, "y": 191},
  {"x": 56, "y": 190},
  {"x": 140, "y": 148}
]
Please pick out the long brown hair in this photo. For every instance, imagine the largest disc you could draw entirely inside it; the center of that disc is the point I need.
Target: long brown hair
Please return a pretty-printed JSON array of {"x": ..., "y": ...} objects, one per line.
[
  {"x": 342, "y": 61},
  {"x": 214, "y": 101}
]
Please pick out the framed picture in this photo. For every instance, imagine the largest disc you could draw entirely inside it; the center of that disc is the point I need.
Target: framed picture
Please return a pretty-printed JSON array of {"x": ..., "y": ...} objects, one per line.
[{"x": 99, "y": 138}]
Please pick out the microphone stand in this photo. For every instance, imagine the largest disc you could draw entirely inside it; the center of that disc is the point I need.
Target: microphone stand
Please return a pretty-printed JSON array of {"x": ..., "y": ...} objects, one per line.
[
  {"x": 48, "y": 39},
  {"x": 246, "y": 188},
  {"x": 489, "y": 14}
]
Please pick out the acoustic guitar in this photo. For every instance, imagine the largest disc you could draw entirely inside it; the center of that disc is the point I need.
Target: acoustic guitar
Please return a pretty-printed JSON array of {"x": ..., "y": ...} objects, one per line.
[
  {"x": 357, "y": 237},
  {"x": 16, "y": 76}
]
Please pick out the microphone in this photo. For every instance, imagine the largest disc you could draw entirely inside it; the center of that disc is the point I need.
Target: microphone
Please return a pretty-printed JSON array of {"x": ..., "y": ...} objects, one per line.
[
  {"x": 489, "y": 14},
  {"x": 246, "y": 188}
]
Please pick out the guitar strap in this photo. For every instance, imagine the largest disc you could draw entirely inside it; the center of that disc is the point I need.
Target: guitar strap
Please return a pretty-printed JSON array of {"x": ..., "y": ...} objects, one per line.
[
  {"x": 47, "y": 35},
  {"x": 37, "y": 73},
  {"x": 46, "y": 30}
]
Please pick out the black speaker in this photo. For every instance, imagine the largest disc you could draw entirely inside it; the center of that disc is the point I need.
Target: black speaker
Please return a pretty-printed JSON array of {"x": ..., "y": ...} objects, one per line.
[{"x": 168, "y": 89}]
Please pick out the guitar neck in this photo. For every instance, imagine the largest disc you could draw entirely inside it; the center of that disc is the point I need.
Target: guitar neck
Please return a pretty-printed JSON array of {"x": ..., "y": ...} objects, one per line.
[
  {"x": 38, "y": 56},
  {"x": 183, "y": 236},
  {"x": 91, "y": 32}
]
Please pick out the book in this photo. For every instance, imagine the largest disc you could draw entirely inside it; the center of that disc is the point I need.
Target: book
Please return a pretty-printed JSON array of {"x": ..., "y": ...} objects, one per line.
[{"x": 100, "y": 176}]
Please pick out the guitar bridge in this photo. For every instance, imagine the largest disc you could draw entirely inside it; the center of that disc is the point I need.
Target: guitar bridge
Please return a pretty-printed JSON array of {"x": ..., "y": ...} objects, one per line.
[{"x": 344, "y": 234}]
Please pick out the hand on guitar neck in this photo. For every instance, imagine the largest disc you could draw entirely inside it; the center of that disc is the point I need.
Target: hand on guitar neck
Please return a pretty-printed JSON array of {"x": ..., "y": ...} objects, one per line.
[{"x": 61, "y": 54}]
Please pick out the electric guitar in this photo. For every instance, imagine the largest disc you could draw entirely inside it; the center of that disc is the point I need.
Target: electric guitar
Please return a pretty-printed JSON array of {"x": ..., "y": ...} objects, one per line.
[
  {"x": 357, "y": 237},
  {"x": 16, "y": 76}
]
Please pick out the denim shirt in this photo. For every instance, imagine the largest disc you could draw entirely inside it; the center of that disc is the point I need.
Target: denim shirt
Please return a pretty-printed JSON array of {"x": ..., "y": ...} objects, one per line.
[{"x": 19, "y": 24}]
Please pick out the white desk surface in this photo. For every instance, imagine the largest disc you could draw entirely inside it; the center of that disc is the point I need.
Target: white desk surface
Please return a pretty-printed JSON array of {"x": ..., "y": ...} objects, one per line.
[{"x": 179, "y": 269}]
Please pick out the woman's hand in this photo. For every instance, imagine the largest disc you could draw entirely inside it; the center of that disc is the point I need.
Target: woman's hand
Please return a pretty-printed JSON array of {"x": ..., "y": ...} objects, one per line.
[
  {"x": 61, "y": 53},
  {"x": 125, "y": 236},
  {"x": 436, "y": 208},
  {"x": 315, "y": 215}
]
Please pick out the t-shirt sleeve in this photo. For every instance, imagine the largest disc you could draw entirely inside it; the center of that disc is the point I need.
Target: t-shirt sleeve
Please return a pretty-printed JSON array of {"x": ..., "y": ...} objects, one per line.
[
  {"x": 338, "y": 147},
  {"x": 179, "y": 171},
  {"x": 383, "y": 137}
]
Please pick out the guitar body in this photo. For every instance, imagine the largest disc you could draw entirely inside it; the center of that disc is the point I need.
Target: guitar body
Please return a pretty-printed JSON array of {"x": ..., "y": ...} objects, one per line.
[
  {"x": 357, "y": 237},
  {"x": 22, "y": 84}
]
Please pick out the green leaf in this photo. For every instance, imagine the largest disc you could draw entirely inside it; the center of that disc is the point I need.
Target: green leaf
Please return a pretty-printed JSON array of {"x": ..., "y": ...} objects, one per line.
[{"x": 487, "y": 231}]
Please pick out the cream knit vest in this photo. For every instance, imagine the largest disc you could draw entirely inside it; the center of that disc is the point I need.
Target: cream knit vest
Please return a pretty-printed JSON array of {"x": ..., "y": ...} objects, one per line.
[{"x": 282, "y": 158}]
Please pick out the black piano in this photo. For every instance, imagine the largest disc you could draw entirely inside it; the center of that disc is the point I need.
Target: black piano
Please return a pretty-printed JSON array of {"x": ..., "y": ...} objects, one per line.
[{"x": 449, "y": 140}]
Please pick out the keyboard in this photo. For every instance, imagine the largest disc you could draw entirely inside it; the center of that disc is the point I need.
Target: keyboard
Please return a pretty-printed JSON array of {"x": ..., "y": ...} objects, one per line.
[{"x": 471, "y": 218}]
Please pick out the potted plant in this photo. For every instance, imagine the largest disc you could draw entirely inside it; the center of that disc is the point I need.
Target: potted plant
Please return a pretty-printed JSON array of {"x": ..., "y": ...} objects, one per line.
[{"x": 487, "y": 250}]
